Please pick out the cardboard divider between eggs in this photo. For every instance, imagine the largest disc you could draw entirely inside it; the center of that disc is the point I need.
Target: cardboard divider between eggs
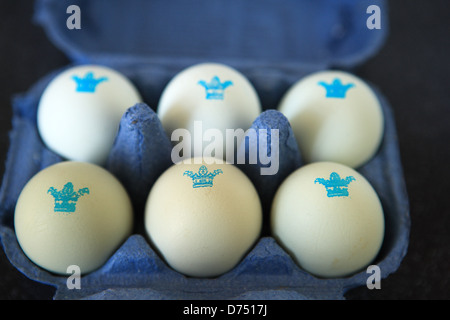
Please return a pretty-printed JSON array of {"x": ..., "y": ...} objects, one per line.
[{"x": 140, "y": 154}]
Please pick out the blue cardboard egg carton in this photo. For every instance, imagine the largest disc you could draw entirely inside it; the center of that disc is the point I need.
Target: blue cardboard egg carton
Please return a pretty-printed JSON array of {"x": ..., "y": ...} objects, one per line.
[{"x": 274, "y": 44}]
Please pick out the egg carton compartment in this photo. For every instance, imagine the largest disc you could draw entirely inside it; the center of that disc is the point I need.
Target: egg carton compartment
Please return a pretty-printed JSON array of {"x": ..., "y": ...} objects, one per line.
[{"x": 142, "y": 152}]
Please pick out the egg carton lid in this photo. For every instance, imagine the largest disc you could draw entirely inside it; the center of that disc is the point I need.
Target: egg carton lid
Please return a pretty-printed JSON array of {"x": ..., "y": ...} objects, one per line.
[{"x": 291, "y": 35}]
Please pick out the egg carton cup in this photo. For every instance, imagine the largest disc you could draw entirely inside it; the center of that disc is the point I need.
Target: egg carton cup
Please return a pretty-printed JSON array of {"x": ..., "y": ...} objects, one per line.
[{"x": 142, "y": 149}]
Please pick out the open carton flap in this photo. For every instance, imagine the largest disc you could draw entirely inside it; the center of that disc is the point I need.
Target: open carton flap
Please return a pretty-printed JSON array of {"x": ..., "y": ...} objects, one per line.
[{"x": 280, "y": 34}]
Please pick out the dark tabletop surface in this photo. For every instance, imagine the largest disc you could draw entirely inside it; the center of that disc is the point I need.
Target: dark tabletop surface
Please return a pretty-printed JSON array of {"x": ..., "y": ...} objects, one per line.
[{"x": 413, "y": 72}]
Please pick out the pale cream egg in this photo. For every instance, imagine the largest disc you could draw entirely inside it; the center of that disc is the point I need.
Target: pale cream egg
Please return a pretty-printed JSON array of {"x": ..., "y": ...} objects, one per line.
[
  {"x": 329, "y": 219},
  {"x": 335, "y": 117},
  {"x": 80, "y": 110},
  {"x": 72, "y": 213},
  {"x": 208, "y": 96},
  {"x": 203, "y": 217}
]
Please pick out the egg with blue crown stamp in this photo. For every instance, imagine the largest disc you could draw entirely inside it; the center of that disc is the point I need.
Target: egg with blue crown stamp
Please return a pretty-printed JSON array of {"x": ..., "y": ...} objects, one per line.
[
  {"x": 80, "y": 110},
  {"x": 72, "y": 213},
  {"x": 213, "y": 220},
  {"x": 329, "y": 218},
  {"x": 212, "y": 95},
  {"x": 335, "y": 116}
]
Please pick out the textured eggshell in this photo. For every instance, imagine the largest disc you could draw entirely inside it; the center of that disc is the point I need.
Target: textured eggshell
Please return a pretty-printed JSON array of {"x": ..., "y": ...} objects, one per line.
[
  {"x": 203, "y": 231},
  {"x": 81, "y": 126},
  {"x": 328, "y": 236},
  {"x": 86, "y": 237},
  {"x": 346, "y": 130},
  {"x": 184, "y": 101}
]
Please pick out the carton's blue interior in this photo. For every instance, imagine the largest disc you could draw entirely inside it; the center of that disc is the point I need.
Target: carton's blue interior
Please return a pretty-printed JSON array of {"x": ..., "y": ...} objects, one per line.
[{"x": 274, "y": 43}]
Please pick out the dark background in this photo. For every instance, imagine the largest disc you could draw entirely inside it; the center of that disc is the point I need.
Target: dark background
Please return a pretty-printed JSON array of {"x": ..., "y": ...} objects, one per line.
[{"x": 412, "y": 70}]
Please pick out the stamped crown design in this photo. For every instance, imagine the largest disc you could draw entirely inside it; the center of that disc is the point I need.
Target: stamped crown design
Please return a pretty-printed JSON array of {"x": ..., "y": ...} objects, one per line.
[
  {"x": 203, "y": 178},
  {"x": 336, "y": 89},
  {"x": 88, "y": 83},
  {"x": 66, "y": 199},
  {"x": 215, "y": 89},
  {"x": 335, "y": 186}
]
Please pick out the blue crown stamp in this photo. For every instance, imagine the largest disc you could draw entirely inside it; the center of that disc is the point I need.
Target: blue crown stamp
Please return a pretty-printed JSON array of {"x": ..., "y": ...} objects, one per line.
[
  {"x": 203, "y": 178},
  {"x": 66, "y": 199},
  {"x": 335, "y": 186},
  {"x": 88, "y": 83},
  {"x": 336, "y": 89},
  {"x": 215, "y": 89}
]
